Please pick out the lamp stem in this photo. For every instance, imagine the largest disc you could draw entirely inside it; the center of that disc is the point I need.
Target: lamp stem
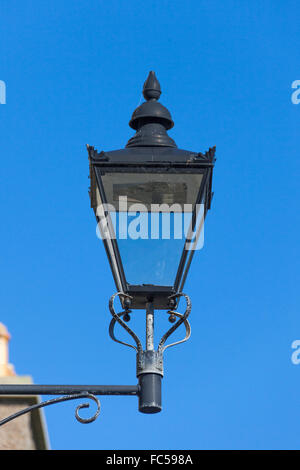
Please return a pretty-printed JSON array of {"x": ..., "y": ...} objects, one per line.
[
  {"x": 149, "y": 362},
  {"x": 149, "y": 375},
  {"x": 149, "y": 326}
]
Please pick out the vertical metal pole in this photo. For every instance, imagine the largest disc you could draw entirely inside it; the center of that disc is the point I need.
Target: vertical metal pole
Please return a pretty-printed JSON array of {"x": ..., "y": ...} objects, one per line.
[
  {"x": 150, "y": 376},
  {"x": 149, "y": 327}
]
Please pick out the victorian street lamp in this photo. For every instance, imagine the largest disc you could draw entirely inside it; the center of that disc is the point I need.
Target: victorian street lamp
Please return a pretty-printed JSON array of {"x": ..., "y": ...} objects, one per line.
[
  {"x": 153, "y": 178},
  {"x": 137, "y": 193}
]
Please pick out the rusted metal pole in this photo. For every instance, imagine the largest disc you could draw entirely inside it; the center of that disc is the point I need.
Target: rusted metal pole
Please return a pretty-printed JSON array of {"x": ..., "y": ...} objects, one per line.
[
  {"x": 149, "y": 327},
  {"x": 31, "y": 389},
  {"x": 150, "y": 374}
]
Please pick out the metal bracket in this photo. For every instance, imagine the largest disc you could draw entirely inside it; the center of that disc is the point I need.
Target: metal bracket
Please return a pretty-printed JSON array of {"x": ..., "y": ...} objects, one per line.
[
  {"x": 70, "y": 392},
  {"x": 149, "y": 368}
]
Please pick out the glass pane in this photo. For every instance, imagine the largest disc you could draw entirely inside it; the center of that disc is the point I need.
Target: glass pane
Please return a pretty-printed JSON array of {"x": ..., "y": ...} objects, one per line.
[
  {"x": 105, "y": 231},
  {"x": 152, "y": 189},
  {"x": 151, "y": 215},
  {"x": 152, "y": 248}
]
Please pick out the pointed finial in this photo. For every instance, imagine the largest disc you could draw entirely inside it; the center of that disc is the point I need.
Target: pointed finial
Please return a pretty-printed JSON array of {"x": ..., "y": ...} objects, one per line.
[
  {"x": 151, "y": 119},
  {"x": 151, "y": 90}
]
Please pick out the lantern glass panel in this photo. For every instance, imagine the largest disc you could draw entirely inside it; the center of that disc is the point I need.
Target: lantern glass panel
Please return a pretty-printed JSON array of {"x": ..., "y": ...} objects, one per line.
[{"x": 151, "y": 216}]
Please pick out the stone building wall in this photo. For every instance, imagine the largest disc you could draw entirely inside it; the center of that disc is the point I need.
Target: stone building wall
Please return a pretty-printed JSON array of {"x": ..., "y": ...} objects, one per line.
[
  {"x": 26, "y": 432},
  {"x": 17, "y": 434}
]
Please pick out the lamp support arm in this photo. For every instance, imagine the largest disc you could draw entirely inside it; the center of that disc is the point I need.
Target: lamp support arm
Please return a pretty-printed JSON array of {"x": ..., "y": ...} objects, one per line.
[{"x": 149, "y": 369}]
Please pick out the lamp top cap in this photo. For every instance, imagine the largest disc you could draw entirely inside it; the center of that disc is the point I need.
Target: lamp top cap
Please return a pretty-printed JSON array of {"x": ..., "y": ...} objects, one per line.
[
  {"x": 151, "y": 111},
  {"x": 151, "y": 89}
]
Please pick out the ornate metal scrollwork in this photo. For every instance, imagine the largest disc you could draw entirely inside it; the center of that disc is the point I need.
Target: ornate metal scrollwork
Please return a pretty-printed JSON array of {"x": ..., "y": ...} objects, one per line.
[
  {"x": 182, "y": 319},
  {"x": 117, "y": 318},
  {"x": 53, "y": 401},
  {"x": 151, "y": 361}
]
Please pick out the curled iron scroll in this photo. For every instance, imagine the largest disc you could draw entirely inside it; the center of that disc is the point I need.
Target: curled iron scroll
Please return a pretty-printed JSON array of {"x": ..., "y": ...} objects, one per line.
[
  {"x": 117, "y": 318},
  {"x": 53, "y": 401},
  {"x": 182, "y": 319}
]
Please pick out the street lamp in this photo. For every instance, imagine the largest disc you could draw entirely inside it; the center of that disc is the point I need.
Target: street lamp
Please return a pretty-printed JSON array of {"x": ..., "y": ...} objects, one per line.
[
  {"x": 152, "y": 177},
  {"x": 150, "y": 184}
]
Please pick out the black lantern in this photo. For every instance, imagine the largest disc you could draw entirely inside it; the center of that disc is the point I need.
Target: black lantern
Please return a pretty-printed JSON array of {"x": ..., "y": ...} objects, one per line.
[{"x": 153, "y": 178}]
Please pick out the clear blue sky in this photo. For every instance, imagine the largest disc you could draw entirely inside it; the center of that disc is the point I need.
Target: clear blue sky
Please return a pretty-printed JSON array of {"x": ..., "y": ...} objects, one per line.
[{"x": 74, "y": 73}]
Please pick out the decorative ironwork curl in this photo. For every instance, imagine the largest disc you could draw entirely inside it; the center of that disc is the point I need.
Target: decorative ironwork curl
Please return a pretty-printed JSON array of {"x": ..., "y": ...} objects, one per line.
[
  {"x": 182, "y": 319},
  {"x": 53, "y": 401},
  {"x": 161, "y": 347},
  {"x": 117, "y": 318},
  {"x": 87, "y": 405}
]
